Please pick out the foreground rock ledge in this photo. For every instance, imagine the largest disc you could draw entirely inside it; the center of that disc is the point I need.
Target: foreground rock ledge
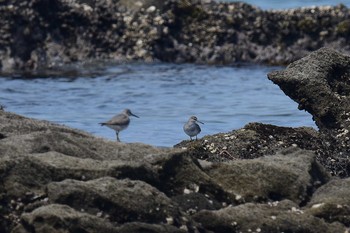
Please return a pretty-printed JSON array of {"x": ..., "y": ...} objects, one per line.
[{"x": 57, "y": 179}]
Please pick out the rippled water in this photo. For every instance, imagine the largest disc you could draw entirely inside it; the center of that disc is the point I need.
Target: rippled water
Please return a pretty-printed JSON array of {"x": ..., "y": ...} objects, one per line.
[{"x": 163, "y": 95}]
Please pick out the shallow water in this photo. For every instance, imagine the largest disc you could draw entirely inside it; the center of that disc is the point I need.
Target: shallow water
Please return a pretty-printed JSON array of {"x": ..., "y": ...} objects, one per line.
[{"x": 162, "y": 95}]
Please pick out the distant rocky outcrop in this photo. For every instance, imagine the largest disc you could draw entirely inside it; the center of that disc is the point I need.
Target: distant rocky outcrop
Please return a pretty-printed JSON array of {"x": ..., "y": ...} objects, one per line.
[
  {"x": 261, "y": 178},
  {"x": 38, "y": 35}
]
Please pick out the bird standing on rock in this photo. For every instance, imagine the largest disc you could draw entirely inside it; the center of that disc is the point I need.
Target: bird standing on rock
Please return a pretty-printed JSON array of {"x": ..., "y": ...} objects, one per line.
[
  {"x": 191, "y": 128},
  {"x": 119, "y": 122}
]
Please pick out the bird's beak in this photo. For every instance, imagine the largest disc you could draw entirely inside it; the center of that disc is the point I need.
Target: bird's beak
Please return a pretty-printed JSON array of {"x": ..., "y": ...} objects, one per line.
[
  {"x": 132, "y": 114},
  {"x": 200, "y": 122}
]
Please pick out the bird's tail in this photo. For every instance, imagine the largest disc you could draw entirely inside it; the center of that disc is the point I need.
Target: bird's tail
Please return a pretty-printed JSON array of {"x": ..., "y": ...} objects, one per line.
[{"x": 102, "y": 124}]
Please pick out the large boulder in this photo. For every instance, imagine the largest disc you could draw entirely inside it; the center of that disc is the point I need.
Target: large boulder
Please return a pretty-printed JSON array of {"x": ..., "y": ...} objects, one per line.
[{"x": 319, "y": 83}]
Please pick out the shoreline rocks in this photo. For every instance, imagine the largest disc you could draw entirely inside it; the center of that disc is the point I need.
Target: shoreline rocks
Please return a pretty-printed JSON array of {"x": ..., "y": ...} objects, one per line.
[
  {"x": 37, "y": 36},
  {"x": 163, "y": 190},
  {"x": 261, "y": 178}
]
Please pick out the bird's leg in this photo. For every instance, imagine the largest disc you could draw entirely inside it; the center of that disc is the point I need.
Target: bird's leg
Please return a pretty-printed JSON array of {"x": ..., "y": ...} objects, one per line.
[
  {"x": 190, "y": 138},
  {"x": 196, "y": 137},
  {"x": 117, "y": 133}
]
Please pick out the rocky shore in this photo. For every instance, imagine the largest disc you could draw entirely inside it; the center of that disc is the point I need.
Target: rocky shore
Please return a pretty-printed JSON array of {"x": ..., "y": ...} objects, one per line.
[
  {"x": 261, "y": 178},
  {"x": 39, "y": 35}
]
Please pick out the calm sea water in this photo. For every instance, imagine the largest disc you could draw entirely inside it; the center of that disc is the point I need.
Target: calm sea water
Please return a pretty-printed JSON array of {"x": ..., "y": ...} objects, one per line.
[{"x": 164, "y": 96}]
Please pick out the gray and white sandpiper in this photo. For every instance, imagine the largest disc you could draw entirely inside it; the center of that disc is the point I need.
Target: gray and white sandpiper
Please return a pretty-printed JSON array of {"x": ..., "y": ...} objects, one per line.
[
  {"x": 119, "y": 122},
  {"x": 191, "y": 128}
]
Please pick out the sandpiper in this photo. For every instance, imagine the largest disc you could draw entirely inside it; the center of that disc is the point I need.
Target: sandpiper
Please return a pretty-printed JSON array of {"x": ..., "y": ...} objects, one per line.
[
  {"x": 191, "y": 128},
  {"x": 119, "y": 122}
]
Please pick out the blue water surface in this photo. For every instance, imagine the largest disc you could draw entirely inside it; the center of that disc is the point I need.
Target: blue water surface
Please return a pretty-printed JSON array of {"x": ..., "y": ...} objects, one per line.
[{"x": 163, "y": 95}]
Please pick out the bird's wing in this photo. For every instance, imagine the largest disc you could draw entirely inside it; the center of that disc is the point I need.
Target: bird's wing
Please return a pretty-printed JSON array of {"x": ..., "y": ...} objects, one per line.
[{"x": 119, "y": 119}]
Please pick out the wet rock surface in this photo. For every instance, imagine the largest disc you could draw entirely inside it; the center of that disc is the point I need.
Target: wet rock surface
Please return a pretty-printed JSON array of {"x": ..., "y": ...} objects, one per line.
[{"x": 38, "y": 35}]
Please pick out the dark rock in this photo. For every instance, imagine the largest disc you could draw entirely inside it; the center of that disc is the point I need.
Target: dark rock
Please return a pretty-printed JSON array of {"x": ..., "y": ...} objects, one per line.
[
  {"x": 194, "y": 202},
  {"x": 122, "y": 200},
  {"x": 139, "y": 227},
  {"x": 332, "y": 202},
  {"x": 31, "y": 173},
  {"x": 181, "y": 174},
  {"x": 293, "y": 174},
  {"x": 252, "y": 141},
  {"x": 59, "y": 218},
  {"x": 319, "y": 83},
  {"x": 282, "y": 216},
  {"x": 35, "y": 35}
]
